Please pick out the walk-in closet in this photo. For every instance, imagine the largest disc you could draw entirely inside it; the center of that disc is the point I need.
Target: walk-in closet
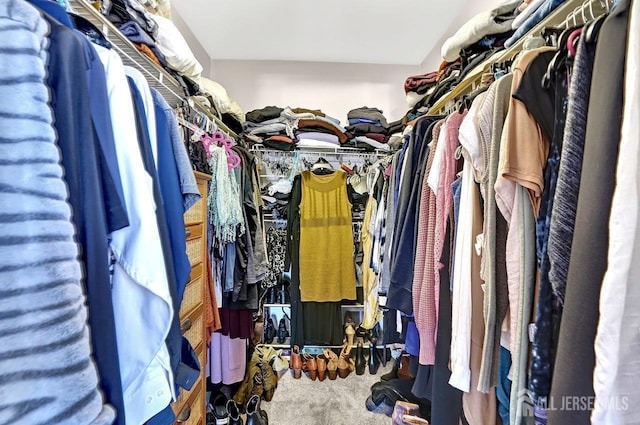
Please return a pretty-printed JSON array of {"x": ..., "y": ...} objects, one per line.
[{"x": 351, "y": 213}]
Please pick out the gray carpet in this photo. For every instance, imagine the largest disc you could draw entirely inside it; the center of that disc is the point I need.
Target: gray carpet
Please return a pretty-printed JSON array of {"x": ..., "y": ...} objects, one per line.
[{"x": 340, "y": 402}]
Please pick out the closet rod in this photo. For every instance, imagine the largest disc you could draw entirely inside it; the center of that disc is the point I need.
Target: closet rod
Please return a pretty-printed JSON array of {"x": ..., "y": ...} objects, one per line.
[
  {"x": 588, "y": 10},
  {"x": 322, "y": 151},
  {"x": 157, "y": 77}
]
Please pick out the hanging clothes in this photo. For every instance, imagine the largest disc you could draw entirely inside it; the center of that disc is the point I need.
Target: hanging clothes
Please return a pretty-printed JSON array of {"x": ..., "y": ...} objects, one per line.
[
  {"x": 588, "y": 264},
  {"x": 327, "y": 271},
  {"x": 40, "y": 271},
  {"x": 491, "y": 117},
  {"x": 311, "y": 322},
  {"x": 97, "y": 205},
  {"x": 616, "y": 370},
  {"x": 139, "y": 276}
]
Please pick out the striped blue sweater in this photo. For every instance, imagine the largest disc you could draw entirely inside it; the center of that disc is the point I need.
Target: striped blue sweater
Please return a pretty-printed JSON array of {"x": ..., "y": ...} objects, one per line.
[{"x": 46, "y": 372}]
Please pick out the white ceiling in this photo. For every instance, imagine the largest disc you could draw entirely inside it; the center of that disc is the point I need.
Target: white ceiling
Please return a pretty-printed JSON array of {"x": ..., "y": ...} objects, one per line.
[{"x": 397, "y": 32}]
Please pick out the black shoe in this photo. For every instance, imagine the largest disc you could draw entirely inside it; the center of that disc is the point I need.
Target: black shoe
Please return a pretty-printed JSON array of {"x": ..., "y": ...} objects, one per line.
[
  {"x": 286, "y": 283},
  {"x": 220, "y": 415},
  {"x": 272, "y": 296},
  {"x": 282, "y": 331},
  {"x": 233, "y": 412},
  {"x": 374, "y": 363},
  {"x": 256, "y": 416},
  {"x": 361, "y": 363},
  {"x": 269, "y": 331}
]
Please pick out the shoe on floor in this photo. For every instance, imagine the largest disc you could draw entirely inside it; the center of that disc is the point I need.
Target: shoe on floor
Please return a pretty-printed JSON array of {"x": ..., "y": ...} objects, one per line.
[
  {"x": 233, "y": 412},
  {"x": 220, "y": 410},
  {"x": 256, "y": 416}
]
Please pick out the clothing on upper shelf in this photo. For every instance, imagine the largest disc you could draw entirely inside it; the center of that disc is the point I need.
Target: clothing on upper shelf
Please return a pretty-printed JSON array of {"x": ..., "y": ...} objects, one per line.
[
  {"x": 371, "y": 115},
  {"x": 494, "y": 21},
  {"x": 265, "y": 114},
  {"x": 297, "y": 124},
  {"x": 415, "y": 81},
  {"x": 538, "y": 15},
  {"x": 175, "y": 49},
  {"x": 525, "y": 12},
  {"x": 137, "y": 35}
]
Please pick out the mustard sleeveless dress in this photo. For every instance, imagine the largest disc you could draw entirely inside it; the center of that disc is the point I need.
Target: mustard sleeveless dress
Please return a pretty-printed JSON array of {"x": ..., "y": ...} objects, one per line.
[{"x": 327, "y": 270}]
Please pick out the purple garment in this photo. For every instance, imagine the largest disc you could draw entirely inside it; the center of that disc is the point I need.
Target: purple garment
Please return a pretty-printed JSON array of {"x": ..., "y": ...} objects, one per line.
[{"x": 227, "y": 359}]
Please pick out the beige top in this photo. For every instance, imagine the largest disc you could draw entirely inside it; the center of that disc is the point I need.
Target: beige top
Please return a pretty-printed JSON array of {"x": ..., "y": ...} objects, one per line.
[{"x": 524, "y": 150}]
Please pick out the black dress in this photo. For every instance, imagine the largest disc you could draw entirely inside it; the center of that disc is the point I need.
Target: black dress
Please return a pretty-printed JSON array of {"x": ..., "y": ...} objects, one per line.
[{"x": 312, "y": 323}]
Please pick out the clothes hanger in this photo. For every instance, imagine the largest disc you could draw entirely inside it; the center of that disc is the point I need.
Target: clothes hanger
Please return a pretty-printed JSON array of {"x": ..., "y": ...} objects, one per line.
[
  {"x": 197, "y": 131},
  {"x": 592, "y": 29},
  {"x": 572, "y": 41},
  {"x": 558, "y": 58},
  {"x": 322, "y": 167},
  {"x": 551, "y": 34},
  {"x": 462, "y": 104}
]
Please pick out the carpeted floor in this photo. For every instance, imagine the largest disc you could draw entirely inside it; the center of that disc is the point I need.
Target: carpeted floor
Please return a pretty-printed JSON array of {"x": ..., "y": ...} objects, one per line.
[{"x": 340, "y": 402}]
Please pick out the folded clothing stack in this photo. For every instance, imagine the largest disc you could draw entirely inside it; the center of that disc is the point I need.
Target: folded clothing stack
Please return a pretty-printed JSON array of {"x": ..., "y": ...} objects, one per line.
[
  {"x": 417, "y": 87},
  {"x": 368, "y": 129},
  {"x": 154, "y": 35},
  {"x": 320, "y": 132},
  {"x": 450, "y": 74},
  {"x": 495, "y": 21},
  {"x": 284, "y": 129}
]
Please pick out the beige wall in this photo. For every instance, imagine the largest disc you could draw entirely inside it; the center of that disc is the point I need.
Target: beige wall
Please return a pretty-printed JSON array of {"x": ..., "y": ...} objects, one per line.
[{"x": 335, "y": 88}]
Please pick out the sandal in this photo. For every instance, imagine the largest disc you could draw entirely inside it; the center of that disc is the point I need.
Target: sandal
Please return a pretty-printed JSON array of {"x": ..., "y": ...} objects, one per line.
[
  {"x": 345, "y": 362},
  {"x": 349, "y": 329},
  {"x": 332, "y": 364}
]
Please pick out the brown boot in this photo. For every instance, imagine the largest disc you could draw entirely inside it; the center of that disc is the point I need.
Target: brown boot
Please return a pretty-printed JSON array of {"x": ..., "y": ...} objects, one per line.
[
  {"x": 321, "y": 362},
  {"x": 332, "y": 364},
  {"x": 312, "y": 366},
  {"x": 296, "y": 362}
]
